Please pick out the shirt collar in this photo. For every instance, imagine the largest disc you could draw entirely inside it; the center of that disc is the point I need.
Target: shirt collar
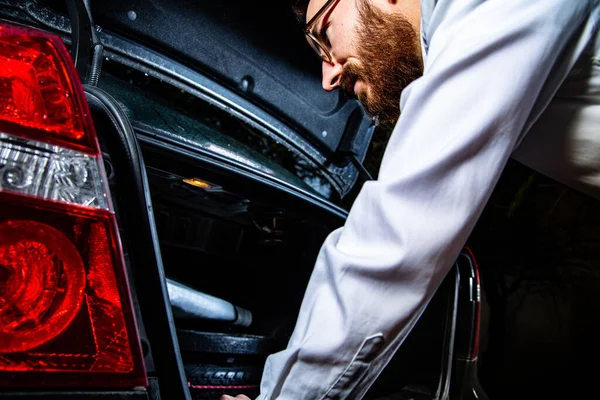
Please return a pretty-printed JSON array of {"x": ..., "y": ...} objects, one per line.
[{"x": 427, "y": 7}]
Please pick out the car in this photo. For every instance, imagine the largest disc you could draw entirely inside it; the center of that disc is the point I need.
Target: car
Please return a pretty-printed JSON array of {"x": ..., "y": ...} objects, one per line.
[{"x": 168, "y": 173}]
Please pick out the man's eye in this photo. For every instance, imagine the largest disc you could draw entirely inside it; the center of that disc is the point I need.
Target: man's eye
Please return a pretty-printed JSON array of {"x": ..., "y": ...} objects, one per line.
[
  {"x": 326, "y": 40},
  {"x": 324, "y": 36}
]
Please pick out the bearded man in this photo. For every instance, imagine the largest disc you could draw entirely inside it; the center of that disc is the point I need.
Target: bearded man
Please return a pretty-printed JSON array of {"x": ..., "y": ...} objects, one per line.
[{"x": 468, "y": 84}]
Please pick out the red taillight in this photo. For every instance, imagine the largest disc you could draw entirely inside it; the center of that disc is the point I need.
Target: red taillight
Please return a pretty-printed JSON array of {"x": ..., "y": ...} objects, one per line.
[
  {"x": 37, "y": 91},
  {"x": 42, "y": 283},
  {"x": 65, "y": 311}
]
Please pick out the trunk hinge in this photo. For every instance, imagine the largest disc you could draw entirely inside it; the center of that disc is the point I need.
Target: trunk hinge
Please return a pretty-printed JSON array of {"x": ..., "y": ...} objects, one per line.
[{"x": 86, "y": 48}]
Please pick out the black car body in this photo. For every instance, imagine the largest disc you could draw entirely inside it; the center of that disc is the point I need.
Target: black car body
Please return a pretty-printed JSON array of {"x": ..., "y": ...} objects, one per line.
[{"x": 228, "y": 166}]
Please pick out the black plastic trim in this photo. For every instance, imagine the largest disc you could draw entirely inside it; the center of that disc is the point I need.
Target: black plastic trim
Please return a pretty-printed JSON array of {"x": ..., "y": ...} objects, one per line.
[{"x": 147, "y": 268}]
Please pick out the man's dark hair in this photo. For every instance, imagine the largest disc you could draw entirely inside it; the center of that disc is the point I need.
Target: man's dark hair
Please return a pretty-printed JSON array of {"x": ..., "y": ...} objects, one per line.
[{"x": 299, "y": 7}]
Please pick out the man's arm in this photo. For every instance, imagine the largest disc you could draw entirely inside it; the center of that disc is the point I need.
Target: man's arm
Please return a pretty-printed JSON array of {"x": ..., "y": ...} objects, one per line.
[{"x": 488, "y": 63}]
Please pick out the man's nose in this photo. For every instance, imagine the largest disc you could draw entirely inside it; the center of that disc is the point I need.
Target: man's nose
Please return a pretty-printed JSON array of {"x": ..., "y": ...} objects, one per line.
[{"x": 332, "y": 72}]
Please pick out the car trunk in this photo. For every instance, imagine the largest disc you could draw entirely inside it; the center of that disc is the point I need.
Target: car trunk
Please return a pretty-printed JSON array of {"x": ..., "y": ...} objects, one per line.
[
  {"x": 243, "y": 192},
  {"x": 251, "y": 240},
  {"x": 261, "y": 259}
]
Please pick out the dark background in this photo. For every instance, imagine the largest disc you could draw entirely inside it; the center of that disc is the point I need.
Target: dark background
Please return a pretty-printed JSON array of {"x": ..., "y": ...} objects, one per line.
[{"x": 538, "y": 247}]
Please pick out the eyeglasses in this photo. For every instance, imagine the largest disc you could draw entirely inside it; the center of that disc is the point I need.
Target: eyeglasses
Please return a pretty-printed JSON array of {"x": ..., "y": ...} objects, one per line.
[{"x": 314, "y": 41}]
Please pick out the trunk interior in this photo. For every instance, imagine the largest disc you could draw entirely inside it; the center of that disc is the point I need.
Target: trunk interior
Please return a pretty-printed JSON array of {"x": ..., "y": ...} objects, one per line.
[
  {"x": 258, "y": 252},
  {"x": 235, "y": 234},
  {"x": 255, "y": 251}
]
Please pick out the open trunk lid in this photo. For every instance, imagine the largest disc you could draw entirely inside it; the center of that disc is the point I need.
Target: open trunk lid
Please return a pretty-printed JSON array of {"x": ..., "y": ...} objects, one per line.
[{"x": 257, "y": 50}]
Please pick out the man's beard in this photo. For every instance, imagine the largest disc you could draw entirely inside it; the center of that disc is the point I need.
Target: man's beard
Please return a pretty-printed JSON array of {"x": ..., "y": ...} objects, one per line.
[{"x": 390, "y": 58}]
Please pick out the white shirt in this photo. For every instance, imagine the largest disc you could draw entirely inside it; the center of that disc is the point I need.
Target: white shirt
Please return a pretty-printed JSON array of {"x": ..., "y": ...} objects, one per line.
[{"x": 502, "y": 78}]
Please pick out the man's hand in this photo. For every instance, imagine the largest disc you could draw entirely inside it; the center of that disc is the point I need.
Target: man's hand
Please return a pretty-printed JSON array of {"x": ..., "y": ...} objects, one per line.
[{"x": 238, "y": 397}]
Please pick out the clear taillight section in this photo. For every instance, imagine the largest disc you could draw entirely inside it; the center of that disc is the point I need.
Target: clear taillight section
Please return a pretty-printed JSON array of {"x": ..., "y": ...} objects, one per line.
[
  {"x": 35, "y": 168},
  {"x": 65, "y": 312}
]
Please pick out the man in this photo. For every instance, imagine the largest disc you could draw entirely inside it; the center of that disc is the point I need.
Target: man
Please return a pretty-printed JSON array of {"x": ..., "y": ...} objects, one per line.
[{"x": 500, "y": 78}]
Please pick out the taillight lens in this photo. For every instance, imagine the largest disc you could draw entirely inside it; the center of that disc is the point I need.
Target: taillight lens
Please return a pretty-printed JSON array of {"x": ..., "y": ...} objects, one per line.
[
  {"x": 38, "y": 92},
  {"x": 42, "y": 284},
  {"x": 65, "y": 312}
]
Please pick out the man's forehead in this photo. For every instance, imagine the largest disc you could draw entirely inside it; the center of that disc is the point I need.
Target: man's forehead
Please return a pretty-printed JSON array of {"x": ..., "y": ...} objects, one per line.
[{"x": 313, "y": 7}]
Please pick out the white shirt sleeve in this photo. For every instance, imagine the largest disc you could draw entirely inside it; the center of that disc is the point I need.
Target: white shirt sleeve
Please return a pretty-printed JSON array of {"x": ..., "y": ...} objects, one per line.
[{"x": 487, "y": 63}]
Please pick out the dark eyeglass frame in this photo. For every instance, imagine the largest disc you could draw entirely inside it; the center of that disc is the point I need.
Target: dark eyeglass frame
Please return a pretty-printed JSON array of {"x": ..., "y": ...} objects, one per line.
[{"x": 321, "y": 50}]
